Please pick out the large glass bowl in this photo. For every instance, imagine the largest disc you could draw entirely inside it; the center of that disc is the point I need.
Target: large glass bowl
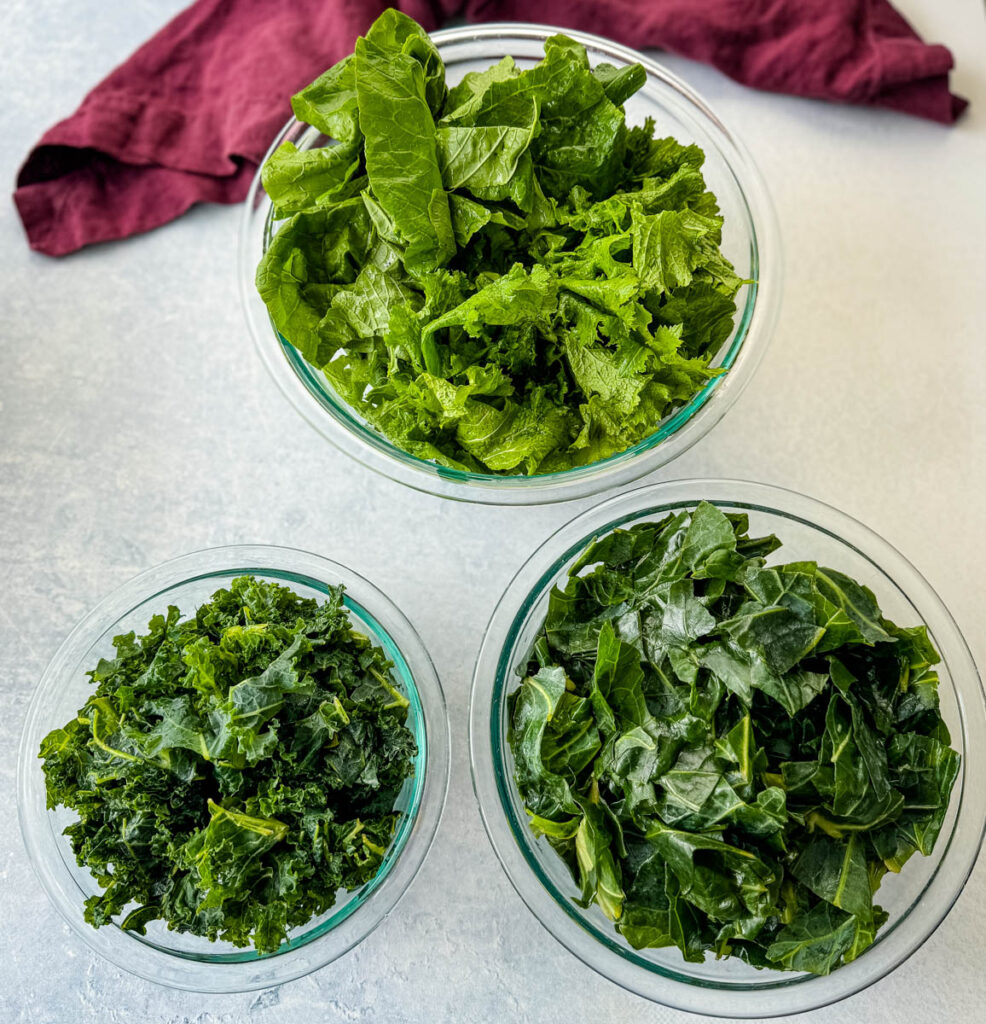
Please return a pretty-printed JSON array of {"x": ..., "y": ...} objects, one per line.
[
  {"x": 917, "y": 899},
  {"x": 750, "y": 240},
  {"x": 188, "y": 961}
]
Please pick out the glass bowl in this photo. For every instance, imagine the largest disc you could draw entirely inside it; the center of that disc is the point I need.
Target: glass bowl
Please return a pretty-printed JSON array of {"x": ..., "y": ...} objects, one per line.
[
  {"x": 188, "y": 961},
  {"x": 750, "y": 240},
  {"x": 917, "y": 899}
]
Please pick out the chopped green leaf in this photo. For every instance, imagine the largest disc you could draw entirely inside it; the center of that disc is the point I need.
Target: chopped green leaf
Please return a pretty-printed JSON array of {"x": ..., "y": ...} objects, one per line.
[
  {"x": 233, "y": 771},
  {"x": 512, "y": 226},
  {"x": 729, "y": 756}
]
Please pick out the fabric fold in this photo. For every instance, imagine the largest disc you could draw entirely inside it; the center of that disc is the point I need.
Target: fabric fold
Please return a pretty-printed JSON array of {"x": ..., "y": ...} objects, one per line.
[{"x": 188, "y": 117}]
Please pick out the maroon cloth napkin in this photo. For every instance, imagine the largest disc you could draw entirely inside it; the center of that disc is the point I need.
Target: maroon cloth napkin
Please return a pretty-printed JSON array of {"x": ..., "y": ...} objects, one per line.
[{"x": 189, "y": 116}]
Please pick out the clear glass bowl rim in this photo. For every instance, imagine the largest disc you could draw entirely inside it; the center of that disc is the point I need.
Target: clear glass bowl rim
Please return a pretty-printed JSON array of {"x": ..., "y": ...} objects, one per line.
[
  {"x": 679, "y": 432},
  {"x": 493, "y": 678},
  {"x": 356, "y": 919}
]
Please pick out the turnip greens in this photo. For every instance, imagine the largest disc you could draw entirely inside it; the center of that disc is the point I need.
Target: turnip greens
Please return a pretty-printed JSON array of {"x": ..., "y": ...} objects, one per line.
[{"x": 501, "y": 277}]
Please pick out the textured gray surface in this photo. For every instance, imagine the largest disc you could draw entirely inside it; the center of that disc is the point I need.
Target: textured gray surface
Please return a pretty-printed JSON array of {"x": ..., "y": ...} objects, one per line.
[{"x": 137, "y": 423}]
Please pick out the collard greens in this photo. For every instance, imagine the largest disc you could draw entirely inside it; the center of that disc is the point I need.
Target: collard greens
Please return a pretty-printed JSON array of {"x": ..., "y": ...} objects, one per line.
[
  {"x": 232, "y": 771},
  {"x": 503, "y": 276},
  {"x": 729, "y": 756}
]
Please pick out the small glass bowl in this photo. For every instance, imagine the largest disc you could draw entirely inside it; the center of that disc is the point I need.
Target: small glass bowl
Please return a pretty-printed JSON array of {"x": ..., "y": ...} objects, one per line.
[
  {"x": 917, "y": 899},
  {"x": 188, "y": 961},
  {"x": 750, "y": 239}
]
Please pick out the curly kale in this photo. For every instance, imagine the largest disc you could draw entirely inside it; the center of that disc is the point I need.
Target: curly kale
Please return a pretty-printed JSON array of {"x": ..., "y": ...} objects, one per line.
[{"x": 233, "y": 771}]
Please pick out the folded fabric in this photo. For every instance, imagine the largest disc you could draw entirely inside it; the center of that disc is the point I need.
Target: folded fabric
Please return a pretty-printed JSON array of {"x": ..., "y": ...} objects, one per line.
[{"x": 189, "y": 116}]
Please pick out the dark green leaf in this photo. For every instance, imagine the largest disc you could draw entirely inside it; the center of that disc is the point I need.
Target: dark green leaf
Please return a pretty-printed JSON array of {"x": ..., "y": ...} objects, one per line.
[
  {"x": 233, "y": 771},
  {"x": 729, "y": 756},
  {"x": 814, "y": 942}
]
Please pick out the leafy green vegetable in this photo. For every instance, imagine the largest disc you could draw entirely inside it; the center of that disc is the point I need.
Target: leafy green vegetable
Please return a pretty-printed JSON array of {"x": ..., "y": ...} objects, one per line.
[
  {"x": 233, "y": 771},
  {"x": 500, "y": 277},
  {"x": 729, "y": 756}
]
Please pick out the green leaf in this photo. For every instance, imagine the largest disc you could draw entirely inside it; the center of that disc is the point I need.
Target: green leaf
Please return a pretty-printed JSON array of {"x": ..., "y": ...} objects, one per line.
[
  {"x": 518, "y": 223},
  {"x": 665, "y": 249},
  {"x": 330, "y": 104},
  {"x": 483, "y": 158},
  {"x": 571, "y": 740},
  {"x": 313, "y": 179},
  {"x": 618, "y": 677},
  {"x": 814, "y": 942},
  {"x": 654, "y": 914},
  {"x": 685, "y": 618},
  {"x": 400, "y": 151},
  {"x": 475, "y": 83},
  {"x": 619, "y": 84},
  {"x": 781, "y": 636},
  {"x": 311, "y": 250},
  {"x": 547, "y": 794},
  {"x": 725, "y": 882},
  {"x": 516, "y": 297},
  {"x": 704, "y": 314},
  {"x": 233, "y": 770},
  {"x": 227, "y": 855},
  {"x": 368, "y": 303},
  {"x": 597, "y": 866},
  {"x": 855, "y": 601},
  {"x": 729, "y": 755},
  {"x": 469, "y": 216},
  {"x": 836, "y": 871},
  {"x": 515, "y": 435},
  {"x": 394, "y": 31}
]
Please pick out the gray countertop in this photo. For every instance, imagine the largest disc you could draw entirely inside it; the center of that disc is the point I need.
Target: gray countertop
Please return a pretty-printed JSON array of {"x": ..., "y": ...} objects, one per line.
[{"x": 137, "y": 423}]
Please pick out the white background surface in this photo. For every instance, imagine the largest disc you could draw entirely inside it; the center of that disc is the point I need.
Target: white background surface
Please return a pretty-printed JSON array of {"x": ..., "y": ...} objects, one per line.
[{"x": 137, "y": 423}]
